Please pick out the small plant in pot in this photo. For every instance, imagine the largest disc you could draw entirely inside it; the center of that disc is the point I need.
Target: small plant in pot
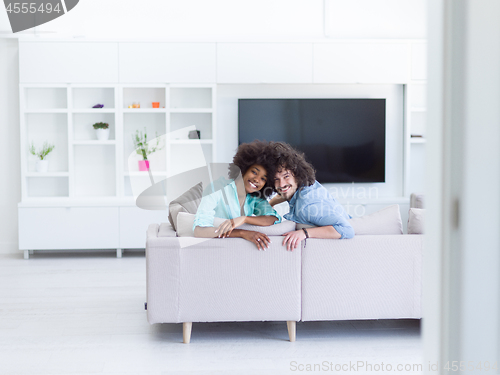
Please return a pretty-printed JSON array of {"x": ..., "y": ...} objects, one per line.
[
  {"x": 145, "y": 148},
  {"x": 101, "y": 130},
  {"x": 42, "y": 164}
]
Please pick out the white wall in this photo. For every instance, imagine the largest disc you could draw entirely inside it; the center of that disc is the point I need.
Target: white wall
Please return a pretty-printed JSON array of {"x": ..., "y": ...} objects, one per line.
[
  {"x": 10, "y": 165},
  {"x": 229, "y": 19}
]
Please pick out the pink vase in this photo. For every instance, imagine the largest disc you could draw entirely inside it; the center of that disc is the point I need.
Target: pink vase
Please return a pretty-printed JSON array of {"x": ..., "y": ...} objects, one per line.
[{"x": 143, "y": 165}]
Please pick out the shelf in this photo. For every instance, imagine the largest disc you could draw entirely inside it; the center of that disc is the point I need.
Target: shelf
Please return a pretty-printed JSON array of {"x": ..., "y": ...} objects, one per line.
[
  {"x": 46, "y": 111},
  {"x": 144, "y": 110},
  {"x": 40, "y": 99},
  {"x": 418, "y": 140},
  {"x": 191, "y": 110},
  {"x": 83, "y": 129},
  {"x": 51, "y": 128},
  {"x": 47, "y": 174},
  {"x": 191, "y": 97},
  {"x": 191, "y": 141},
  {"x": 145, "y": 96},
  {"x": 97, "y": 143},
  {"x": 84, "y": 98},
  {"x": 47, "y": 185},
  {"x": 94, "y": 110},
  {"x": 86, "y": 171}
]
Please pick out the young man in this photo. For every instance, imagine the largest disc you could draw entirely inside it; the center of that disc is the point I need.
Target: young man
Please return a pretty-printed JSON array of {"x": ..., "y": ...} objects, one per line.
[{"x": 310, "y": 203}]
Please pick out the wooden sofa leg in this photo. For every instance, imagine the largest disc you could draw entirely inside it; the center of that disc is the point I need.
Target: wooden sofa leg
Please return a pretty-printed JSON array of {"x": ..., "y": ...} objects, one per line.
[
  {"x": 186, "y": 331},
  {"x": 291, "y": 329}
]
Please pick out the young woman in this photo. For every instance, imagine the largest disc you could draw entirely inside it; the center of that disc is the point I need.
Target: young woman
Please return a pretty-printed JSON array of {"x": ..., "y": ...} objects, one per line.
[{"x": 241, "y": 199}]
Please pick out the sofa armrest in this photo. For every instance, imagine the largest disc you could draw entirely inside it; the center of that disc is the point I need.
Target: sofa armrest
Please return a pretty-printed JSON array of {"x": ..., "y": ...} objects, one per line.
[
  {"x": 166, "y": 230},
  {"x": 162, "y": 277}
]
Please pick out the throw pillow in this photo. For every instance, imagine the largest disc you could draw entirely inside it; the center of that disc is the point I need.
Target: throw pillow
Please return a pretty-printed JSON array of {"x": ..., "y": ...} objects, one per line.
[
  {"x": 185, "y": 223},
  {"x": 187, "y": 202},
  {"x": 385, "y": 221},
  {"x": 416, "y": 221}
]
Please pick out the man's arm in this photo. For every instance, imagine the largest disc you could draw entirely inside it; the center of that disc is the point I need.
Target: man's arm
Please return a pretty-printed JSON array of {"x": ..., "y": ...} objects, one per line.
[
  {"x": 292, "y": 239},
  {"x": 327, "y": 231},
  {"x": 277, "y": 199}
]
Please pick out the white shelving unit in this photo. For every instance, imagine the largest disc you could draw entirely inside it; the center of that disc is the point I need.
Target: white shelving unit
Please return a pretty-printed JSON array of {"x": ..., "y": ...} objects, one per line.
[
  {"x": 415, "y": 132},
  {"x": 85, "y": 171}
]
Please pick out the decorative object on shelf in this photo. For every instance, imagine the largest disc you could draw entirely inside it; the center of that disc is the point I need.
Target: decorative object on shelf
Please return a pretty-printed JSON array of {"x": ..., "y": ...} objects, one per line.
[
  {"x": 98, "y": 106},
  {"x": 143, "y": 148},
  {"x": 101, "y": 131},
  {"x": 156, "y": 104},
  {"x": 143, "y": 165},
  {"x": 194, "y": 134},
  {"x": 42, "y": 165}
]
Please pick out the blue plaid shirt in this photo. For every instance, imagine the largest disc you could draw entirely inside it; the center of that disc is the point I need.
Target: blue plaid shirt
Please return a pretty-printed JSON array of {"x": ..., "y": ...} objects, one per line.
[{"x": 313, "y": 205}]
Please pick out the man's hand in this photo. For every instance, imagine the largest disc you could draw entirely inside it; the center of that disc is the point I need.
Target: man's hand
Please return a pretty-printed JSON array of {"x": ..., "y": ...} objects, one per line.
[
  {"x": 292, "y": 239},
  {"x": 259, "y": 239},
  {"x": 225, "y": 229}
]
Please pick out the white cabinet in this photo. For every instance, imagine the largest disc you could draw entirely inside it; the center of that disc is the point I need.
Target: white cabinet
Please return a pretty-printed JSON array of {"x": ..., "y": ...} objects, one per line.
[
  {"x": 264, "y": 63},
  {"x": 167, "y": 62},
  {"x": 134, "y": 223},
  {"x": 361, "y": 62},
  {"x": 68, "y": 228},
  {"x": 64, "y": 62}
]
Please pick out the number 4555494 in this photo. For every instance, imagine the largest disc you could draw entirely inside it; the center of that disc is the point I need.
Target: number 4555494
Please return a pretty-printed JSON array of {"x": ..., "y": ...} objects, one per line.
[
  {"x": 470, "y": 366},
  {"x": 32, "y": 8}
]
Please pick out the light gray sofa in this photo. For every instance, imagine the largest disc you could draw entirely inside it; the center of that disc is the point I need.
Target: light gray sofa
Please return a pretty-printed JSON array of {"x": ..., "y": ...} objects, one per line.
[{"x": 372, "y": 276}]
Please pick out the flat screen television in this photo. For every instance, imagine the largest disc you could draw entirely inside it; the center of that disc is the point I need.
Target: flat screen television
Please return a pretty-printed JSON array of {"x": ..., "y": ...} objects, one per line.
[{"x": 344, "y": 139}]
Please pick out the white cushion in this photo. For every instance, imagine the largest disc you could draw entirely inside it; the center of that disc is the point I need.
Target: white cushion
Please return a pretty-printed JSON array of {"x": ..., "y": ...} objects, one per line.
[
  {"x": 416, "y": 221},
  {"x": 185, "y": 223},
  {"x": 384, "y": 221}
]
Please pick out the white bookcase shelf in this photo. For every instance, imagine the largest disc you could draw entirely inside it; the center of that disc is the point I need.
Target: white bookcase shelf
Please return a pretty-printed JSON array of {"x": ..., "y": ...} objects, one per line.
[
  {"x": 82, "y": 166},
  {"x": 98, "y": 181}
]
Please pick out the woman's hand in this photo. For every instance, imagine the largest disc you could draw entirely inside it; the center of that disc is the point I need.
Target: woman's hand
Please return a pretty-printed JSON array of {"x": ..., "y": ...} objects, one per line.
[
  {"x": 292, "y": 239},
  {"x": 259, "y": 239},
  {"x": 225, "y": 229}
]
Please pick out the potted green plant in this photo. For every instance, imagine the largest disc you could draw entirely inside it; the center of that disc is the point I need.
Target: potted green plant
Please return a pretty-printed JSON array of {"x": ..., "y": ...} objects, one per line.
[
  {"x": 101, "y": 131},
  {"x": 145, "y": 148},
  {"x": 42, "y": 164}
]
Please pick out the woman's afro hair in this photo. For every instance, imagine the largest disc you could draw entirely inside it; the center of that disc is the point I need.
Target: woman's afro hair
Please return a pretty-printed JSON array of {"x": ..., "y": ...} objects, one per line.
[
  {"x": 286, "y": 157},
  {"x": 256, "y": 152}
]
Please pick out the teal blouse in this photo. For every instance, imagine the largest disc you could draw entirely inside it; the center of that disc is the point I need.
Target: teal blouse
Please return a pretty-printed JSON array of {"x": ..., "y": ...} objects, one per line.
[{"x": 220, "y": 199}]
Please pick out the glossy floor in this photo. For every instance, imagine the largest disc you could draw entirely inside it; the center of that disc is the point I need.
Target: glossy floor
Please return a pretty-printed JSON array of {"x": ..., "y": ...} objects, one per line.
[{"x": 83, "y": 313}]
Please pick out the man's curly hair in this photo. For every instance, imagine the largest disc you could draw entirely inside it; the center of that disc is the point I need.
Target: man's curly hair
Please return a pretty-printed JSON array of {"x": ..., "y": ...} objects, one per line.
[
  {"x": 256, "y": 152},
  {"x": 286, "y": 157}
]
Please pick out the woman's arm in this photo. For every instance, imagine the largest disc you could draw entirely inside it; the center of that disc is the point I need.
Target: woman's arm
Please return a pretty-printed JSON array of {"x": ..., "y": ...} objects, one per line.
[
  {"x": 224, "y": 230},
  {"x": 259, "y": 239}
]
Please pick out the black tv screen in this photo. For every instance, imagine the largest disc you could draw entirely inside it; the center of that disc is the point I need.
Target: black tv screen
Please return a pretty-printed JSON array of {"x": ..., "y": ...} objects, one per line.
[{"x": 344, "y": 139}]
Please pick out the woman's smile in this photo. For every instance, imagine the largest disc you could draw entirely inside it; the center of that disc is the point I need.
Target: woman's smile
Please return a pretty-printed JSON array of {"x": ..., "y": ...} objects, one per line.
[{"x": 255, "y": 178}]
